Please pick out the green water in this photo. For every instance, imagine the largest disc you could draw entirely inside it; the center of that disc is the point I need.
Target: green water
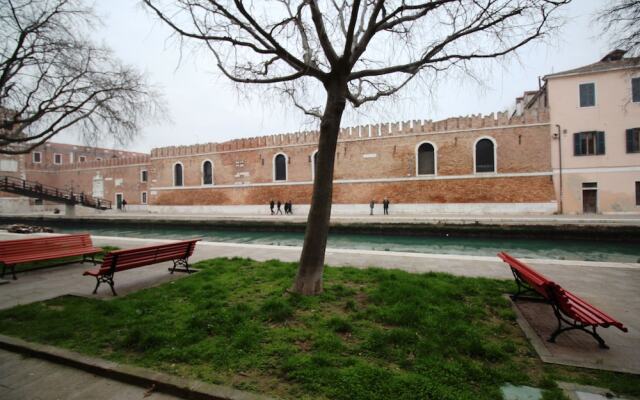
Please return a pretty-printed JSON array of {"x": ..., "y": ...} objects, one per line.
[{"x": 528, "y": 248}]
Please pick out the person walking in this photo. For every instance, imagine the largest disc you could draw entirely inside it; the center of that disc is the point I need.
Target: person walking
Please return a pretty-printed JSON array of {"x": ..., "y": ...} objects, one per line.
[
  {"x": 385, "y": 205},
  {"x": 279, "y": 204},
  {"x": 290, "y": 207},
  {"x": 371, "y": 204},
  {"x": 271, "y": 205},
  {"x": 124, "y": 205}
]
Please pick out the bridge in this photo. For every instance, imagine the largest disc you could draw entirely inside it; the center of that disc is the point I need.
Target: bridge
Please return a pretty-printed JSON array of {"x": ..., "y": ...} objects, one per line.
[{"x": 37, "y": 190}]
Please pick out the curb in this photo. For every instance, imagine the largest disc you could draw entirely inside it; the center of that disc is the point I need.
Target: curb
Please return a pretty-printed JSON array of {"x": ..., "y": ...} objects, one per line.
[{"x": 142, "y": 377}]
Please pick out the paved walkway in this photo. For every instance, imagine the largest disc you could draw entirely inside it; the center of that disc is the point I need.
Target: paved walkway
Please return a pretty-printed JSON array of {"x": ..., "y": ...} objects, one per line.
[
  {"x": 506, "y": 219},
  {"x": 26, "y": 378}
]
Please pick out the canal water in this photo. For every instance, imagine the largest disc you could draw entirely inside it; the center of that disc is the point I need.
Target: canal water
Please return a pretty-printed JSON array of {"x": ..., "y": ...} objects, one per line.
[{"x": 528, "y": 248}]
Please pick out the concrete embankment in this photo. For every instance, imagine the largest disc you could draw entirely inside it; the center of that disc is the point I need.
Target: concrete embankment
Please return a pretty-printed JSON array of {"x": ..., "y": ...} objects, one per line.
[{"x": 546, "y": 227}]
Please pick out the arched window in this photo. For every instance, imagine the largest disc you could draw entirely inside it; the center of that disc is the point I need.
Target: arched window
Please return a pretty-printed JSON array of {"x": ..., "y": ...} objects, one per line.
[
  {"x": 207, "y": 173},
  {"x": 280, "y": 167},
  {"x": 426, "y": 159},
  {"x": 314, "y": 165},
  {"x": 177, "y": 174},
  {"x": 485, "y": 155}
]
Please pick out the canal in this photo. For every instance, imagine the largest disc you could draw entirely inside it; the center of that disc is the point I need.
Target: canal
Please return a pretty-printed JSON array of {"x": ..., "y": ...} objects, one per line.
[{"x": 586, "y": 250}]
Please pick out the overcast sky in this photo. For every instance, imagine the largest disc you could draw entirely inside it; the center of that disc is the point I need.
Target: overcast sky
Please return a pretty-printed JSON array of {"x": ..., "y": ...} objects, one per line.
[{"x": 205, "y": 107}]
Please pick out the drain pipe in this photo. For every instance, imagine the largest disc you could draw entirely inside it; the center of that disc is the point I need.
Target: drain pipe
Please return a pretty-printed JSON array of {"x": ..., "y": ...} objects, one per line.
[{"x": 559, "y": 137}]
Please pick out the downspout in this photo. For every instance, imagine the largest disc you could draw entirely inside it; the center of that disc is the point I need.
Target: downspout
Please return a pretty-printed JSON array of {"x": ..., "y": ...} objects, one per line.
[{"x": 559, "y": 137}]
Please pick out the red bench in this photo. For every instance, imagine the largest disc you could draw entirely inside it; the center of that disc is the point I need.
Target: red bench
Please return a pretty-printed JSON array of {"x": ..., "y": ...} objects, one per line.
[
  {"x": 567, "y": 307},
  {"x": 122, "y": 260},
  {"x": 13, "y": 252}
]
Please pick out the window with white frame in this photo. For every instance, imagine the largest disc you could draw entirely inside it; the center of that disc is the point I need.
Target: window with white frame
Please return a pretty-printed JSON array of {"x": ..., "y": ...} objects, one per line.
[
  {"x": 37, "y": 157},
  {"x": 57, "y": 158},
  {"x": 485, "y": 156},
  {"x": 177, "y": 174},
  {"x": 280, "y": 167},
  {"x": 143, "y": 198},
  {"x": 207, "y": 173},
  {"x": 587, "y": 94},
  {"x": 426, "y": 158},
  {"x": 144, "y": 175}
]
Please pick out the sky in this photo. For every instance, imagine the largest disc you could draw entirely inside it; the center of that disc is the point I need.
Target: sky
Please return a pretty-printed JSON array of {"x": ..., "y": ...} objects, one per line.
[{"x": 205, "y": 107}]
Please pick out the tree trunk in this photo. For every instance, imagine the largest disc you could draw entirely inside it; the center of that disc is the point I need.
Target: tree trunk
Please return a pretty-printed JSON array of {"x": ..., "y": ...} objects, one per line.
[{"x": 309, "y": 278}]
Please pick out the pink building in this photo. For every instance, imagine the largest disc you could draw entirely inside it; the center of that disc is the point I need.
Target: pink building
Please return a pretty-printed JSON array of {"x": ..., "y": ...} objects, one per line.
[{"x": 595, "y": 130}]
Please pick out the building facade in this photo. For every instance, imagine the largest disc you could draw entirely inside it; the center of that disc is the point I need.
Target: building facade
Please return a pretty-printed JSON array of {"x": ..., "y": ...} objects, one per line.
[
  {"x": 595, "y": 124},
  {"x": 571, "y": 146}
]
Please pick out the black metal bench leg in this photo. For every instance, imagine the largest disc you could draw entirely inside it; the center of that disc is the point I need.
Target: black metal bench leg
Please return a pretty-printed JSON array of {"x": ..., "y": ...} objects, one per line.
[
  {"x": 13, "y": 272},
  {"x": 97, "y": 284},
  {"x": 573, "y": 326},
  {"x": 182, "y": 263}
]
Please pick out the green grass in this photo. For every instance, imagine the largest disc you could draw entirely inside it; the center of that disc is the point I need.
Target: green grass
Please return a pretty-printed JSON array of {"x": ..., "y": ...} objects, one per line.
[
  {"x": 373, "y": 334},
  {"x": 65, "y": 260}
]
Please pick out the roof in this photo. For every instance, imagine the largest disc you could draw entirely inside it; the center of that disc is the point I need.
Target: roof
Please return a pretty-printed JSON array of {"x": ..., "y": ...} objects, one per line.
[{"x": 600, "y": 66}]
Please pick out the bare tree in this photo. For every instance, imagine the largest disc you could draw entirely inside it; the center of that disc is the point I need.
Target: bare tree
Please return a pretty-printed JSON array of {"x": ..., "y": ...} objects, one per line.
[
  {"x": 621, "y": 20},
  {"x": 357, "y": 51},
  {"x": 52, "y": 78}
]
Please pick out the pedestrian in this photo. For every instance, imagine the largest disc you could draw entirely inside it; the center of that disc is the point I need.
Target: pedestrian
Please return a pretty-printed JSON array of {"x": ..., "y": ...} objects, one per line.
[
  {"x": 124, "y": 205},
  {"x": 271, "y": 205},
  {"x": 279, "y": 205},
  {"x": 286, "y": 208},
  {"x": 385, "y": 204},
  {"x": 290, "y": 207},
  {"x": 371, "y": 204}
]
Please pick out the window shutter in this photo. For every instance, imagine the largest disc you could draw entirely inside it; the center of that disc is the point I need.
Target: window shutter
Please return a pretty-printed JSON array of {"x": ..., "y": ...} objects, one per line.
[
  {"x": 630, "y": 141},
  {"x": 600, "y": 143},
  {"x": 635, "y": 89},
  {"x": 577, "y": 148}
]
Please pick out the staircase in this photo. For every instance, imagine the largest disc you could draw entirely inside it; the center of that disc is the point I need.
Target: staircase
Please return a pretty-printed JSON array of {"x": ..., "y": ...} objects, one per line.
[{"x": 37, "y": 190}]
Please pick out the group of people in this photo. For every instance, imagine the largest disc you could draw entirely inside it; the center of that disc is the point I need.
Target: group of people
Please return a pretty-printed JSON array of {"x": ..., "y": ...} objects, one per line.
[
  {"x": 385, "y": 206},
  {"x": 288, "y": 207}
]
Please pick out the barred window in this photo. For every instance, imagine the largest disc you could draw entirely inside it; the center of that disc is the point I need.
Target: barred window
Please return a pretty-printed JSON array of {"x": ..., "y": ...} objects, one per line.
[
  {"x": 207, "y": 173},
  {"x": 426, "y": 159},
  {"x": 280, "y": 167},
  {"x": 485, "y": 159},
  {"x": 177, "y": 174}
]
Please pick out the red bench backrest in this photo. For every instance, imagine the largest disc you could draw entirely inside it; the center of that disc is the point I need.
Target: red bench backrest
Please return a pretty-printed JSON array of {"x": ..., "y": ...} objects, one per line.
[
  {"x": 536, "y": 280},
  {"x": 45, "y": 244},
  {"x": 138, "y": 257},
  {"x": 579, "y": 309}
]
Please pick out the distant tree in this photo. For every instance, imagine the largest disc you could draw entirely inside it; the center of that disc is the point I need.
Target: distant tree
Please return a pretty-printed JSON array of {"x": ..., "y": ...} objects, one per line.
[
  {"x": 621, "y": 21},
  {"x": 53, "y": 78},
  {"x": 356, "y": 52}
]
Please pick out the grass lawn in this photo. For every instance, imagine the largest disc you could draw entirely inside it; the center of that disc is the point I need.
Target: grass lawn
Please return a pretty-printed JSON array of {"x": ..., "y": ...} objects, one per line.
[
  {"x": 65, "y": 260},
  {"x": 373, "y": 334}
]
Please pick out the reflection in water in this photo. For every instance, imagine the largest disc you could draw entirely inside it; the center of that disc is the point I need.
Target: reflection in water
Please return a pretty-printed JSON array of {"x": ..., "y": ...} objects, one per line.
[{"x": 529, "y": 248}]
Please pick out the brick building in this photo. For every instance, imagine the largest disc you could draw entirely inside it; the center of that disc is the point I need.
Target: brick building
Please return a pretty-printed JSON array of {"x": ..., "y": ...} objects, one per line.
[{"x": 495, "y": 163}]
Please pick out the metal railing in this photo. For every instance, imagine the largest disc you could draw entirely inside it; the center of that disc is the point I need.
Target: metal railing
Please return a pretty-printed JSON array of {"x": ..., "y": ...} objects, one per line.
[{"x": 36, "y": 189}]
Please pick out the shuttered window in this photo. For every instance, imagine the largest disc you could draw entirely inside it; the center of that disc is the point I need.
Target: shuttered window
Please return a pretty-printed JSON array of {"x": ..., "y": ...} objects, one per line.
[
  {"x": 633, "y": 140},
  {"x": 635, "y": 90},
  {"x": 588, "y": 143},
  {"x": 587, "y": 95},
  {"x": 638, "y": 193}
]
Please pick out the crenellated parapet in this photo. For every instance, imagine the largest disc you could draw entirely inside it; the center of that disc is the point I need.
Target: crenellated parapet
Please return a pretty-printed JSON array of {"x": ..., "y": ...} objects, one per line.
[{"x": 471, "y": 122}]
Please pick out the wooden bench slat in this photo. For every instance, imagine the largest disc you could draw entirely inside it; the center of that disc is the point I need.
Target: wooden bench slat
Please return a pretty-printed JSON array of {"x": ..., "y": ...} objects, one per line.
[
  {"x": 122, "y": 260},
  {"x": 564, "y": 302}
]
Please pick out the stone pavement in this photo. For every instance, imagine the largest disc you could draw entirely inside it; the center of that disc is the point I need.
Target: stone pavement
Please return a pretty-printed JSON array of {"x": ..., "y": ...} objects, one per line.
[
  {"x": 613, "y": 287},
  {"x": 26, "y": 378},
  {"x": 364, "y": 218}
]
